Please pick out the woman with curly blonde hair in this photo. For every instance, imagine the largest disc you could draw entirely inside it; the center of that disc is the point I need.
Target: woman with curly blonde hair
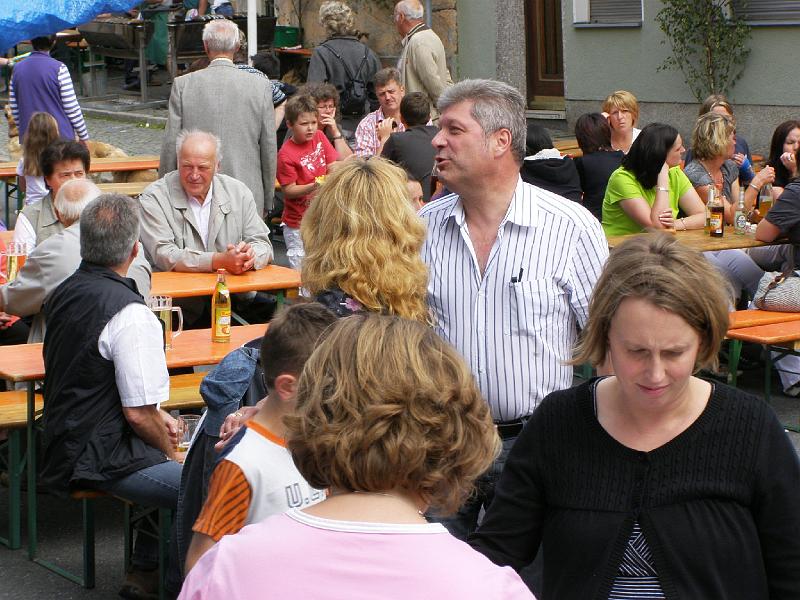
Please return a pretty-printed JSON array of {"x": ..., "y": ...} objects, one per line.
[
  {"x": 362, "y": 241},
  {"x": 390, "y": 420}
]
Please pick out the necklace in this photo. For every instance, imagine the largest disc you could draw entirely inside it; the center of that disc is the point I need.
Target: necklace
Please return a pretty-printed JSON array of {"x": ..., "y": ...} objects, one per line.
[{"x": 420, "y": 512}]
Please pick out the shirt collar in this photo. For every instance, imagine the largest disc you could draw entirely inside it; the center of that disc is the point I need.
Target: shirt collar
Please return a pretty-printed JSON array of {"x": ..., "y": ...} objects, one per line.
[
  {"x": 222, "y": 59},
  {"x": 416, "y": 28},
  {"x": 521, "y": 211},
  {"x": 207, "y": 201}
]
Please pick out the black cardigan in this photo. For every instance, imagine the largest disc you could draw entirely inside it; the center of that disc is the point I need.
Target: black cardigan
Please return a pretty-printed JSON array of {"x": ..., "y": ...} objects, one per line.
[{"x": 719, "y": 504}]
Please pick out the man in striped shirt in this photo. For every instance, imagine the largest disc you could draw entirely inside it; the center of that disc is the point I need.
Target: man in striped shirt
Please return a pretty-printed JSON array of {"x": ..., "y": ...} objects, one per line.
[
  {"x": 512, "y": 266},
  {"x": 43, "y": 84}
]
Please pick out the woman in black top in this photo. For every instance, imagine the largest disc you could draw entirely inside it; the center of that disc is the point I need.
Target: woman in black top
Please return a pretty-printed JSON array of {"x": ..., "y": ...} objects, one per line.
[
  {"x": 544, "y": 166},
  {"x": 343, "y": 61},
  {"x": 652, "y": 483},
  {"x": 599, "y": 160},
  {"x": 782, "y": 149}
]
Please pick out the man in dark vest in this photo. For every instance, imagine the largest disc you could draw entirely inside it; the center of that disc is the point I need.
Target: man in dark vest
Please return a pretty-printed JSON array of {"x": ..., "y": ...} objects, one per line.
[{"x": 105, "y": 375}]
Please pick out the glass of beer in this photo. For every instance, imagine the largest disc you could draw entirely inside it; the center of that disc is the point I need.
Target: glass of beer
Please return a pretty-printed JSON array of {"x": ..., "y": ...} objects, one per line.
[
  {"x": 163, "y": 309},
  {"x": 15, "y": 255},
  {"x": 187, "y": 427}
]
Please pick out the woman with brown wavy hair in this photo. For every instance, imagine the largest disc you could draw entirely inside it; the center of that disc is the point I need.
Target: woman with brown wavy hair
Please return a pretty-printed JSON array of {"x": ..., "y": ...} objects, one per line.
[
  {"x": 389, "y": 420},
  {"x": 362, "y": 241}
]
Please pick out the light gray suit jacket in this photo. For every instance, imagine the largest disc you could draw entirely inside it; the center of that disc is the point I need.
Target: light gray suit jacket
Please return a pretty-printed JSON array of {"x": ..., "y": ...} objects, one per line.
[
  {"x": 171, "y": 235},
  {"x": 237, "y": 108},
  {"x": 50, "y": 263}
]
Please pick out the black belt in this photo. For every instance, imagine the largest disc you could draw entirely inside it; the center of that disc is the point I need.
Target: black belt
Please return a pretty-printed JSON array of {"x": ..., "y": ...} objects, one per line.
[{"x": 510, "y": 429}]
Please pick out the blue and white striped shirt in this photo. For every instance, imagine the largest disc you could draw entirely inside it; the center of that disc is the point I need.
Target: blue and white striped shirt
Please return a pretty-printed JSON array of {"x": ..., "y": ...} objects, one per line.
[{"x": 515, "y": 335}]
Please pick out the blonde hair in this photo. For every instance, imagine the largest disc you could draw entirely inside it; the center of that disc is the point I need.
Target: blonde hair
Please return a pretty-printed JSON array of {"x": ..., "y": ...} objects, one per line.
[
  {"x": 711, "y": 134},
  {"x": 622, "y": 100},
  {"x": 657, "y": 268},
  {"x": 41, "y": 132},
  {"x": 337, "y": 18},
  {"x": 385, "y": 403},
  {"x": 362, "y": 236}
]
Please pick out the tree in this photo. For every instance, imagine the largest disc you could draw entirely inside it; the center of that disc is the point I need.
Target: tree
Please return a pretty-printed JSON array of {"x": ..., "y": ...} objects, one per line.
[{"x": 709, "y": 44}]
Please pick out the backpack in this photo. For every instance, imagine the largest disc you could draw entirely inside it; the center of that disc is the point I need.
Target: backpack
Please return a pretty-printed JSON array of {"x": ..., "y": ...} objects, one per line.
[{"x": 354, "y": 96}]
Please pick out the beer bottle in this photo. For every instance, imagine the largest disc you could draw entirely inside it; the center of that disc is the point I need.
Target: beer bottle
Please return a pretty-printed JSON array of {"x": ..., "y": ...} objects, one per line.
[
  {"x": 221, "y": 310},
  {"x": 711, "y": 191},
  {"x": 740, "y": 219},
  {"x": 717, "y": 218}
]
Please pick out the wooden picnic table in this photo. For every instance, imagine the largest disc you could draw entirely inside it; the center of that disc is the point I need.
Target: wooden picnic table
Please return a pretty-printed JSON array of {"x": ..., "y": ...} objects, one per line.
[
  {"x": 133, "y": 188},
  {"x": 754, "y": 318},
  {"x": 98, "y": 165},
  {"x": 187, "y": 285},
  {"x": 697, "y": 239},
  {"x": 25, "y": 363}
]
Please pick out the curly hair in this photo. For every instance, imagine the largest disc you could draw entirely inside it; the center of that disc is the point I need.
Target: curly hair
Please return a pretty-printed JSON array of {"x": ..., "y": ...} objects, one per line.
[
  {"x": 660, "y": 269},
  {"x": 337, "y": 18},
  {"x": 362, "y": 236},
  {"x": 385, "y": 403},
  {"x": 711, "y": 135}
]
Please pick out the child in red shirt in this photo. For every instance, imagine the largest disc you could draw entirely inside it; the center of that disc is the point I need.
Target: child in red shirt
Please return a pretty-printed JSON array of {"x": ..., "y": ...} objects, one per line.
[{"x": 303, "y": 161}]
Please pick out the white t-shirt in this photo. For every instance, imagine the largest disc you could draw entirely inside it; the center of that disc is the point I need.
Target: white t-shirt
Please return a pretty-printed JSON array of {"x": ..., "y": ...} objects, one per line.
[
  {"x": 134, "y": 341},
  {"x": 201, "y": 213},
  {"x": 35, "y": 187}
]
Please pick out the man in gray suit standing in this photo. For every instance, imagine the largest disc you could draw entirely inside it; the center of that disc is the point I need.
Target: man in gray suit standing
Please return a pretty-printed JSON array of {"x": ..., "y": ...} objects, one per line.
[{"x": 234, "y": 106}]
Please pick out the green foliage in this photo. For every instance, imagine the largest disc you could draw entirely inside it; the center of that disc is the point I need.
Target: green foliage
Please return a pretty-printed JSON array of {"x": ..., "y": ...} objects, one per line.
[{"x": 708, "y": 44}]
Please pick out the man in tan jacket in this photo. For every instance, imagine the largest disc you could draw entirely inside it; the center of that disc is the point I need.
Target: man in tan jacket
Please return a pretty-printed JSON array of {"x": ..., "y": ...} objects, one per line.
[{"x": 422, "y": 63}]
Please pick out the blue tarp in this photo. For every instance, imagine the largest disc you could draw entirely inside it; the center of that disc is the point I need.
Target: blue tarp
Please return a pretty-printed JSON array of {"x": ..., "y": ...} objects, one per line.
[{"x": 24, "y": 19}]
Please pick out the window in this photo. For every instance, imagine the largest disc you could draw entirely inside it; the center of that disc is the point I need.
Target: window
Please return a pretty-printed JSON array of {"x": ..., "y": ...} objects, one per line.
[
  {"x": 608, "y": 12},
  {"x": 778, "y": 12}
]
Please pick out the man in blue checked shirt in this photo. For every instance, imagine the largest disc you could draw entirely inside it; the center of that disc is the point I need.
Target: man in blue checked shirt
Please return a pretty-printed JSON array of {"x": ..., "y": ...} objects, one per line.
[{"x": 512, "y": 266}]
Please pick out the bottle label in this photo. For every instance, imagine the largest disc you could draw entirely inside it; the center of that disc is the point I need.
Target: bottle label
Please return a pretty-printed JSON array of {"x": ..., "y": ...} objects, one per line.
[
  {"x": 741, "y": 222},
  {"x": 716, "y": 224},
  {"x": 222, "y": 323}
]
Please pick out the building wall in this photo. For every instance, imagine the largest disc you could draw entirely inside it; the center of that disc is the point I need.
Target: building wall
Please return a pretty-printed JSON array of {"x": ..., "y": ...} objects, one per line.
[{"x": 598, "y": 61}]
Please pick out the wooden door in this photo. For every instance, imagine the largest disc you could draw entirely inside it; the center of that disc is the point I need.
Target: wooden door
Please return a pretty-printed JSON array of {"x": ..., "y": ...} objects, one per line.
[{"x": 545, "y": 53}]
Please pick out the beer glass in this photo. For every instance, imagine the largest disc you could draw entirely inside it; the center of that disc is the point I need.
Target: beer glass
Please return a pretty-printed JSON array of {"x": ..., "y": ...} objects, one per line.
[
  {"x": 162, "y": 307},
  {"x": 15, "y": 255},
  {"x": 187, "y": 427}
]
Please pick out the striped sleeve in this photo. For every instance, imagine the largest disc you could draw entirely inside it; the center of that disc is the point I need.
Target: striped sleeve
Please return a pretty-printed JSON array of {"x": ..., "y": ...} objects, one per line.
[
  {"x": 12, "y": 100},
  {"x": 70, "y": 103},
  {"x": 365, "y": 137},
  {"x": 228, "y": 502}
]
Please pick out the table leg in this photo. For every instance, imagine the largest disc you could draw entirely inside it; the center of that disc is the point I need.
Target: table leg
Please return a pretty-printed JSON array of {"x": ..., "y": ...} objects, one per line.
[
  {"x": 735, "y": 352},
  {"x": 15, "y": 468},
  {"x": 142, "y": 68},
  {"x": 31, "y": 465}
]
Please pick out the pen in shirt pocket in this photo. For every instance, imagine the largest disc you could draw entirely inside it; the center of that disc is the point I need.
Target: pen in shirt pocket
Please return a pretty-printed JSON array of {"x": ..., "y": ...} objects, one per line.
[{"x": 518, "y": 278}]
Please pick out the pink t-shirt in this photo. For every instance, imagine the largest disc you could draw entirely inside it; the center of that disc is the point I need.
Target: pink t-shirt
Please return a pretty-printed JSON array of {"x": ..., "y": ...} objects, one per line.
[
  {"x": 301, "y": 164},
  {"x": 296, "y": 555}
]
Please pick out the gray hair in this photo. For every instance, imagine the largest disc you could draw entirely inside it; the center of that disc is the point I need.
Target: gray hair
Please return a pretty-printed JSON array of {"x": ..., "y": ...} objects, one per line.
[
  {"x": 221, "y": 35},
  {"x": 496, "y": 105},
  {"x": 109, "y": 229},
  {"x": 337, "y": 18},
  {"x": 73, "y": 197},
  {"x": 186, "y": 134},
  {"x": 411, "y": 10}
]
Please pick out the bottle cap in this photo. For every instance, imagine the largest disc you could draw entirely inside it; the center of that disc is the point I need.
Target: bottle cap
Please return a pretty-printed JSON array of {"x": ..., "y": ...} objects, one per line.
[{"x": 220, "y": 271}]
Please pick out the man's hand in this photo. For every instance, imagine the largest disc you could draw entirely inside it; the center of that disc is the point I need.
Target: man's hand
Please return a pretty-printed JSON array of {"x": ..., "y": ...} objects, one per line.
[
  {"x": 738, "y": 158},
  {"x": 236, "y": 259},
  {"x": 171, "y": 424},
  {"x": 385, "y": 128}
]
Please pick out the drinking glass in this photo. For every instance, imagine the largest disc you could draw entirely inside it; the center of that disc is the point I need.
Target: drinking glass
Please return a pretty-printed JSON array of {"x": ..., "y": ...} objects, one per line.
[
  {"x": 15, "y": 255},
  {"x": 163, "y": 309}
]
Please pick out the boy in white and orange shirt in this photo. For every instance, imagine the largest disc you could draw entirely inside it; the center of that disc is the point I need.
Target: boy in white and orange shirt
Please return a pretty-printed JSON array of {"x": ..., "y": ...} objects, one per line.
[{"x": 256, "y": 476}]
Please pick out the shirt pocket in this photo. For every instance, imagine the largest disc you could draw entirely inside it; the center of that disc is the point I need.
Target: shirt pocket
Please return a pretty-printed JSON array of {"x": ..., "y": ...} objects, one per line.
[{"x": 527, "y": 306}]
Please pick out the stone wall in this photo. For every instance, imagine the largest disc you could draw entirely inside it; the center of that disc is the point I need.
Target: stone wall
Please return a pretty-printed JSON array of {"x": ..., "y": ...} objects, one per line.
[{"x": 373, "y": 17}]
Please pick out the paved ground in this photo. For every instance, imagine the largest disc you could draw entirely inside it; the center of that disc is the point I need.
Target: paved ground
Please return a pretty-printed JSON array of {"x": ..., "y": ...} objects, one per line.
[{"x": 60, "y": 521}]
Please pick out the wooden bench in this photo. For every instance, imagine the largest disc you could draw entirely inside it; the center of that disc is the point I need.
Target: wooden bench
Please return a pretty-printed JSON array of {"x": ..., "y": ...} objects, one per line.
[
  {"x": 753, "y": 318},
  {"x": 184, "y": 393},
  {"x": 784, "y": 335}
]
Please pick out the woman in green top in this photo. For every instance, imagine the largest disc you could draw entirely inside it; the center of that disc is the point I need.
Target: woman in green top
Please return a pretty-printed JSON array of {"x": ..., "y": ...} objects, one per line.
[{"x": 649, "y": 189}]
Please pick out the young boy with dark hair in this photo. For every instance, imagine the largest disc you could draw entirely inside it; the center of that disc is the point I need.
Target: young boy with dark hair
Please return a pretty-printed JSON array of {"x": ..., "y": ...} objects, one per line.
[
  {"x": 256, "y": 476},
  {"x": 303, "y": 161}
]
